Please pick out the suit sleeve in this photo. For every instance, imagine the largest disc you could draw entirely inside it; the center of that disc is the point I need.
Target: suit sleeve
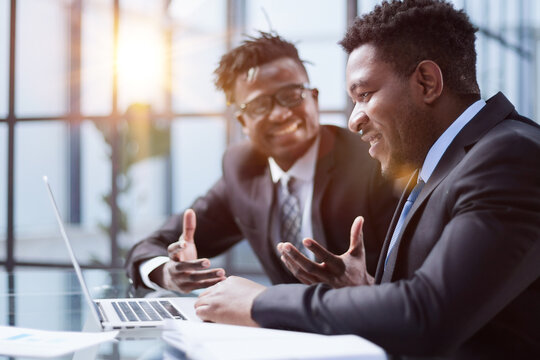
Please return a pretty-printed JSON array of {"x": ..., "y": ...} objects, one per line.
[
  {"x": 486, "y": 257},
  {"x": 216, "y": 232}
]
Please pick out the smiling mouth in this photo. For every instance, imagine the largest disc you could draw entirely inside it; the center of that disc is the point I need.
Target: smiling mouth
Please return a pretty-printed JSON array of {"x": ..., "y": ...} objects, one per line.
[
  {"x": 372, "y": 139},
  {"x": 287, "y": 130}
]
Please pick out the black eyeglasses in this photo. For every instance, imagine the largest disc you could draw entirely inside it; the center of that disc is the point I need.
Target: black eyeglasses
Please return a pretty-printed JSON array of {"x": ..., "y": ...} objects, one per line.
[{"x": 288, "y": 96}]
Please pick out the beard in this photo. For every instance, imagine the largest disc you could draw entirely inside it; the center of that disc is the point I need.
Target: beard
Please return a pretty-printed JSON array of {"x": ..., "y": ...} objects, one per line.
[{"x": 416, "y": 132}]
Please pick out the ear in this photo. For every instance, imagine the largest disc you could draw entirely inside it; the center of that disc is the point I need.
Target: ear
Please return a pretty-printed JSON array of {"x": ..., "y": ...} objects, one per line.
[
  {"x": 315, "y": 94},
  {"x": 428, "y": 77},
  {"x": 240, "y": 119}
]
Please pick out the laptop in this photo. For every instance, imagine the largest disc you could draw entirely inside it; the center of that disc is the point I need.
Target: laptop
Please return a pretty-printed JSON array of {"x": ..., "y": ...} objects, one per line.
[{"x": 128, "y": 313}]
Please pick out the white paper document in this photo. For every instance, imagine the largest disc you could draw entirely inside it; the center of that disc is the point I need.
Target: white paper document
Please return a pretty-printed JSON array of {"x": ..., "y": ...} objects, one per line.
[
  {"x": 228, "y": 342},
  {"x": 16, "y": 341}
]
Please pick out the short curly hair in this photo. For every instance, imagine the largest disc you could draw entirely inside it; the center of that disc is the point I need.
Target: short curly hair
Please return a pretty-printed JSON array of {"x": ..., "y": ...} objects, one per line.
[
  {"x": 409, "y": 31},
  {"x": 253, "y": 51}
]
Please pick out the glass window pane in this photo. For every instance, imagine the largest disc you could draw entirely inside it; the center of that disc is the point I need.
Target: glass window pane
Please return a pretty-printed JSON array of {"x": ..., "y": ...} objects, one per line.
[
  {"x": 198, "y": 44},
  {"x": 366, "y": 6},
  {"x": 143, "y": 173},
  {"x": 41, "y": 297},
  {"x": 195, "y": 141},
  {"x": 95, "y": 186},
  {"x": 4, "y": 56},
  {"x": 326, "y": 72},
  {"x": 37, "y": 234},
  {"x": 3, "y": 189},
  {"x": 510, "y": 72},
  {"x": 315, "y": 15},
  {"x": 334, "y": 119},
  {"x": 97, "y": 57},
  {"x": 41, "y": 60},
  {"x": 40, "y": 149},
  {"x": 316, "y": 39},
  {"x": 141, "y": 54}
]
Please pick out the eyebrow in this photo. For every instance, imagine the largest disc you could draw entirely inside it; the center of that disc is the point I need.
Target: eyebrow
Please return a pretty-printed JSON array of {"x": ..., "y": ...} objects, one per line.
[{"x": 358, "y": 83}]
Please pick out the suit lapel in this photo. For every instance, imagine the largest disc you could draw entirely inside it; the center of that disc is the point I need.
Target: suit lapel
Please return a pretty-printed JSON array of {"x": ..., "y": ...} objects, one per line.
[
  {"x": 496, "y": 110},
  {"x": 261, "y": 193},
  {"x": 381, "y": 269},
  {"x": 265, "y": 195},
  {"x": 322, "y": 176}
]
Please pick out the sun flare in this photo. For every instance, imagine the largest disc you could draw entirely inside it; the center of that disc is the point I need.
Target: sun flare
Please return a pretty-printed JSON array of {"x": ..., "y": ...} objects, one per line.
[{"x": 141, "y": 63}]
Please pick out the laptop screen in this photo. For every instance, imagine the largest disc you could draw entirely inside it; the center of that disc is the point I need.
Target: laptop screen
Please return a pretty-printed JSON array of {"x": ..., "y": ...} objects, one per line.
[{"x": 92, "y": 305}]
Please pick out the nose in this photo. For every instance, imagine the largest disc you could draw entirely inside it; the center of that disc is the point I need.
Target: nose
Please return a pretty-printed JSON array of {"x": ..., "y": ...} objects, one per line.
[
  {"x": 279, "y": 113},
  {"x": 358, "y": 119}
]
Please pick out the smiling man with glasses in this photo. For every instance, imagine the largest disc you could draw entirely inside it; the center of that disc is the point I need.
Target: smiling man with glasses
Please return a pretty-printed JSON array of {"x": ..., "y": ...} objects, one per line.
[{"x": 291, "y": 179}]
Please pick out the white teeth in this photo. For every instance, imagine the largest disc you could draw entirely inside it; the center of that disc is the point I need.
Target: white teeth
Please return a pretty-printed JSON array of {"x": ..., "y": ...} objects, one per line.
[
  {"x": 287, "y": 130},
  {"x": 374, "y": 139}
]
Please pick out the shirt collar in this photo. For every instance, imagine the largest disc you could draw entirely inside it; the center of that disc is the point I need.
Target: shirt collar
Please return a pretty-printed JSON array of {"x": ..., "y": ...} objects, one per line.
[
  {"x": 302, "y": 169},
  {"x": 438, "y": 149}
]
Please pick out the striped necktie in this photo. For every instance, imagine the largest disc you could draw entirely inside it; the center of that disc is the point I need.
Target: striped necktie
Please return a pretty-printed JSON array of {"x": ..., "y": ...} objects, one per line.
[{"x": 290, "y": 217}]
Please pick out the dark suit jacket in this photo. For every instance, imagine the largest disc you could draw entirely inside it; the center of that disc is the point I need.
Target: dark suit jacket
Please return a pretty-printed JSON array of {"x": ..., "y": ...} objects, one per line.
[
  {"x": 463, "y": 281},
  {"x": 347, "y": 183}
]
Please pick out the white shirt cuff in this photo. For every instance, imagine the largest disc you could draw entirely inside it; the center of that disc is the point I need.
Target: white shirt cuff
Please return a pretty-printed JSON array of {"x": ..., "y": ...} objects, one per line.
[{"x": 147, "y": 267}]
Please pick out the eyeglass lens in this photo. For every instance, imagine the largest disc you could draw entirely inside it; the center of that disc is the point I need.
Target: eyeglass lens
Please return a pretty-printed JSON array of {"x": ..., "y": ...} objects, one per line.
[{"x": 289, "y": 96}]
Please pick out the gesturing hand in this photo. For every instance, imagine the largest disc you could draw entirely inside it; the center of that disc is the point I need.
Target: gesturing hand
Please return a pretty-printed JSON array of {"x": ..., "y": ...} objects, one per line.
[
  {"x": 338, "y": 271},
  {"x": 184, "y": 272},
  {"x": 184, "y": 249}
]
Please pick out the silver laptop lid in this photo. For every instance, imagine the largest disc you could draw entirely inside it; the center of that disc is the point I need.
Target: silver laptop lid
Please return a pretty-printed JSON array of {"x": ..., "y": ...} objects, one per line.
[{"x": 78, "y": 271}]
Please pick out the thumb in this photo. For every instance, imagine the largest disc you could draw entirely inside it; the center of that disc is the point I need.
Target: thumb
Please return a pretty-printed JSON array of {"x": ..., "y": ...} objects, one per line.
[
  {"x": 189, "y": 225},
  {"x": 357, "y": 237}
]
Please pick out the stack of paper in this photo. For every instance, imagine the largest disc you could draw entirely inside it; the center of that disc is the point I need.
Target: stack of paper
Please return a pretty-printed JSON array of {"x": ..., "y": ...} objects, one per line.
[
  {"x": 228, "y": 342},
  {"x": 15, "y": 341}
]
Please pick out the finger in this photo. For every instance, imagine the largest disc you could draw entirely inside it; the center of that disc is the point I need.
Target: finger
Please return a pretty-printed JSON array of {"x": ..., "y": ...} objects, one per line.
[
  {"x": 201, "y": 305},
  {"x": 291, "y": 250},
  {"x": 357, "y": 236},
  {"x": 298, "y": 272},
  {"x": 332, "y": 262},
  {"x": 318, "y": 250},
  {"x": 211, "y": 289},
  {"x": 175, "y": 249},
  {"x": 194, "y": 285},
  {"x": 308, "y": 279},
  {"x": 202, "y": 275},
  {"x": 292, "y": 265},
  {"x": 201, "y": 300},
  {"x": 301, "y": 263},
  {"x": 203, "y": 312},
  {"x": 189, "y": 225},
  {"x": 192, "y": 265}
]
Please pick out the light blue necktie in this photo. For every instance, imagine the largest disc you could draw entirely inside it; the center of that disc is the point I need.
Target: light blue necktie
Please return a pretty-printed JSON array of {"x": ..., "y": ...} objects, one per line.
[{"x": 406, "y": 208}]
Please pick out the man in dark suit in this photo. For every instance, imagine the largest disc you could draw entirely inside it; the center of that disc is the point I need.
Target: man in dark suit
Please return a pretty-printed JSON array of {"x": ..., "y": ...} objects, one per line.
[
  {"x": 335, "y": 180},
  {"x": 458, "y": 275}
]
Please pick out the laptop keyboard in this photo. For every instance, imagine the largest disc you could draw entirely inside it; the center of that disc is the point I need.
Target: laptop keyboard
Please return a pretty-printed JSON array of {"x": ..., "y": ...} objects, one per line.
[{"x": 152, "y": 310}]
